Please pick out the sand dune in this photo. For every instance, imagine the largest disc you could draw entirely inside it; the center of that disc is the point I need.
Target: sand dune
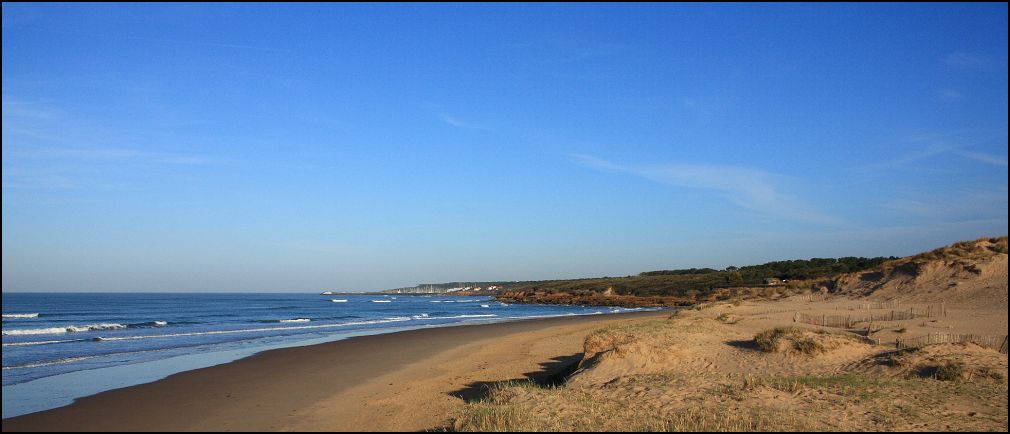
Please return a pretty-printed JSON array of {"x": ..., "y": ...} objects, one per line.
[
  {"x": 752, "y": 366},
  {"x": 971, "y": 273}
]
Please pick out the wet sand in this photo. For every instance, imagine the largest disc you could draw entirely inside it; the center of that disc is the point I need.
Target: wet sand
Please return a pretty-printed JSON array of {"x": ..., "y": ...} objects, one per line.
[{"x": 404, "y": 381}]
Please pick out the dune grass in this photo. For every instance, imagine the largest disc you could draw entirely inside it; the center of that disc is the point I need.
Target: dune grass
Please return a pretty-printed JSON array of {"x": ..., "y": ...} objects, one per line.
[{"x": 771, "y": 341}]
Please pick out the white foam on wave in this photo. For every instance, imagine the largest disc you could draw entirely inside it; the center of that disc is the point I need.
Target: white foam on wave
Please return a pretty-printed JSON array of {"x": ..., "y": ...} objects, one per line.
[
  {"x": 487, "y": 315},
  {"x": 305, "y": 327},
  {"x": 148, "y": 324},
  {"x": 49, "y": 363},
  {"x": 61, "y": 330},
  {"x": 258, "y": 330},
  {"x": 625, "y": 309},
  {"x": 381, "y": 301},
  {"x": 20, "y": 315},
  {"x": 338, "y": 301},
  {"x": 426, "y": 317},
  {"x": 485, "y": 305},
  {"x": 45, "y": 331},
  {"x": 28, "y": 344},
  {"x": 458, "y": 301},
  {"x": 296, "y": 320}
]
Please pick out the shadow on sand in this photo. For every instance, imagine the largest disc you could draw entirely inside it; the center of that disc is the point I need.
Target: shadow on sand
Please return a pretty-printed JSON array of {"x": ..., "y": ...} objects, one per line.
[
  {"x": 746, "y": 345},
  {"x": 552, "y": 373}
]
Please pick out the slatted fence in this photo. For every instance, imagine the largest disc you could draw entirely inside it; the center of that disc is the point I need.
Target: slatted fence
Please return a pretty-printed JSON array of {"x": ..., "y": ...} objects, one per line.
[
  {"x": 893, "y": 304},
  {"x": 913, "y": 312},
  {"x": 998, "y": 343},
  {"x": 849, "y": 321},
  {"x": 837, "y": 321}
]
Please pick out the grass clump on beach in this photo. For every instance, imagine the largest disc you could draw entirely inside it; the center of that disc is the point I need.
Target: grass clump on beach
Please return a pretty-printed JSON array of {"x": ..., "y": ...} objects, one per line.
[
  {"x": 774, "y": 340},
  {"x": 947, "y": 371},
  {"x": 801, "y": 340}
]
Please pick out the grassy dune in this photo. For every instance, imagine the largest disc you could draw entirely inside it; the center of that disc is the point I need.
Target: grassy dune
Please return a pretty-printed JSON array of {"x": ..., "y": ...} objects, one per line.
[{"x": 629, "y": 387}]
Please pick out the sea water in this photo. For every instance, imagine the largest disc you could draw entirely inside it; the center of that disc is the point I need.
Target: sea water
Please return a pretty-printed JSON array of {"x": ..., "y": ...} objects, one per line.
[{"x": 58, "y": 347}]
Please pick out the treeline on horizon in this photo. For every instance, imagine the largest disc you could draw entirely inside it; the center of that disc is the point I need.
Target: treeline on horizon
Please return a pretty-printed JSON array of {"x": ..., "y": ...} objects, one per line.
[
  {"x": 793, "y": 269},
  {"x": 696, "y": 281}
]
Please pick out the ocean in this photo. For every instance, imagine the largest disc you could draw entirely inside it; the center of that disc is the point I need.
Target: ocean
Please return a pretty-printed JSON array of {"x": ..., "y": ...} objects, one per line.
[{"x": 58, "y": 347}]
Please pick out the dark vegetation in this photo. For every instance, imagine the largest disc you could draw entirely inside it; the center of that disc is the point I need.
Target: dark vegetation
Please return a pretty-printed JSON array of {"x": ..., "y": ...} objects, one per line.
[
  {"x": 686, "y": 286},
  {"x": 699, "y": 281}
]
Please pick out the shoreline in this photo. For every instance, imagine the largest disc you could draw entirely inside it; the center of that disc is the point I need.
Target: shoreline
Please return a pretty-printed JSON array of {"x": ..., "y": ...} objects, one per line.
[{"x": 273, "y": 389}]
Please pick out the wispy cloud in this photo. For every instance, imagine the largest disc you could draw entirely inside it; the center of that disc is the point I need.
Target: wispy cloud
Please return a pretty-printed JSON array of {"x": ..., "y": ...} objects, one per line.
[
  {"x": 947, "y": 206},
  {"x": 37, "y": 180},
  {"x": 982, "y": 157},
  {"x": 45, "y": 148},
  {"x": 749, "y": 188},
  {"x": 113, "y": 154},
  {"x": 17, "y": 109},
  {"x": 931, "y": 147},
  {"x": 966, "y": 60},
  {"x": 459, "y": 123},
  {"x": 579, "y": 51},
  {"x": 949, "y": 95}
]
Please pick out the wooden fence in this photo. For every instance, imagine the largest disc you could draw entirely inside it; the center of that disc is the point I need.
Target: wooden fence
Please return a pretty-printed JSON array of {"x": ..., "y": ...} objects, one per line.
[
  {"x": 929, "y": 311},
  {"x": 809, "y": 297},
  {"x": 893, "y": 304},
  {"x": 837, "y": 321},
  {"x": 849, "y": 321},
  {"x": 998, "y": 343},
  {"x": 873, "y": 327}
]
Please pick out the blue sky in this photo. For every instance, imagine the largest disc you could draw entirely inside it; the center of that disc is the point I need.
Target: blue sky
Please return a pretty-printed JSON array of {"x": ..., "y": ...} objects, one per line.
[{"x": 167, "y": 147}]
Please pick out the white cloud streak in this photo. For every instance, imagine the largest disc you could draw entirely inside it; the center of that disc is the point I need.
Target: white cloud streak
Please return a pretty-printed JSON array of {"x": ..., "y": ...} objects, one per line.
[
  {"x": 112, "y": 154},
  {"x": 936, "y": 148},
  {"x": 949, "y": 95},
  {"x": 982, "y": 157},
  {"x": 459, "y": 123},
  {"x": 751, "y": 189},
  {"x": 46, "y": 148},
  {"x": 966, "y": 60}
]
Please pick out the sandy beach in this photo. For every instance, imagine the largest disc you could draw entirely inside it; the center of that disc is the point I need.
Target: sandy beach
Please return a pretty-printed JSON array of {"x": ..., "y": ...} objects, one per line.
[{"x": 405, "y": 381}]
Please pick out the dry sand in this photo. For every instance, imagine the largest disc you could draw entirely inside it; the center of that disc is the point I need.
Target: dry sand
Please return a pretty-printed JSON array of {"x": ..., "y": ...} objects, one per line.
[
  {"x": 702, "y": 370},
  {"x": 404, "y": 381}
]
